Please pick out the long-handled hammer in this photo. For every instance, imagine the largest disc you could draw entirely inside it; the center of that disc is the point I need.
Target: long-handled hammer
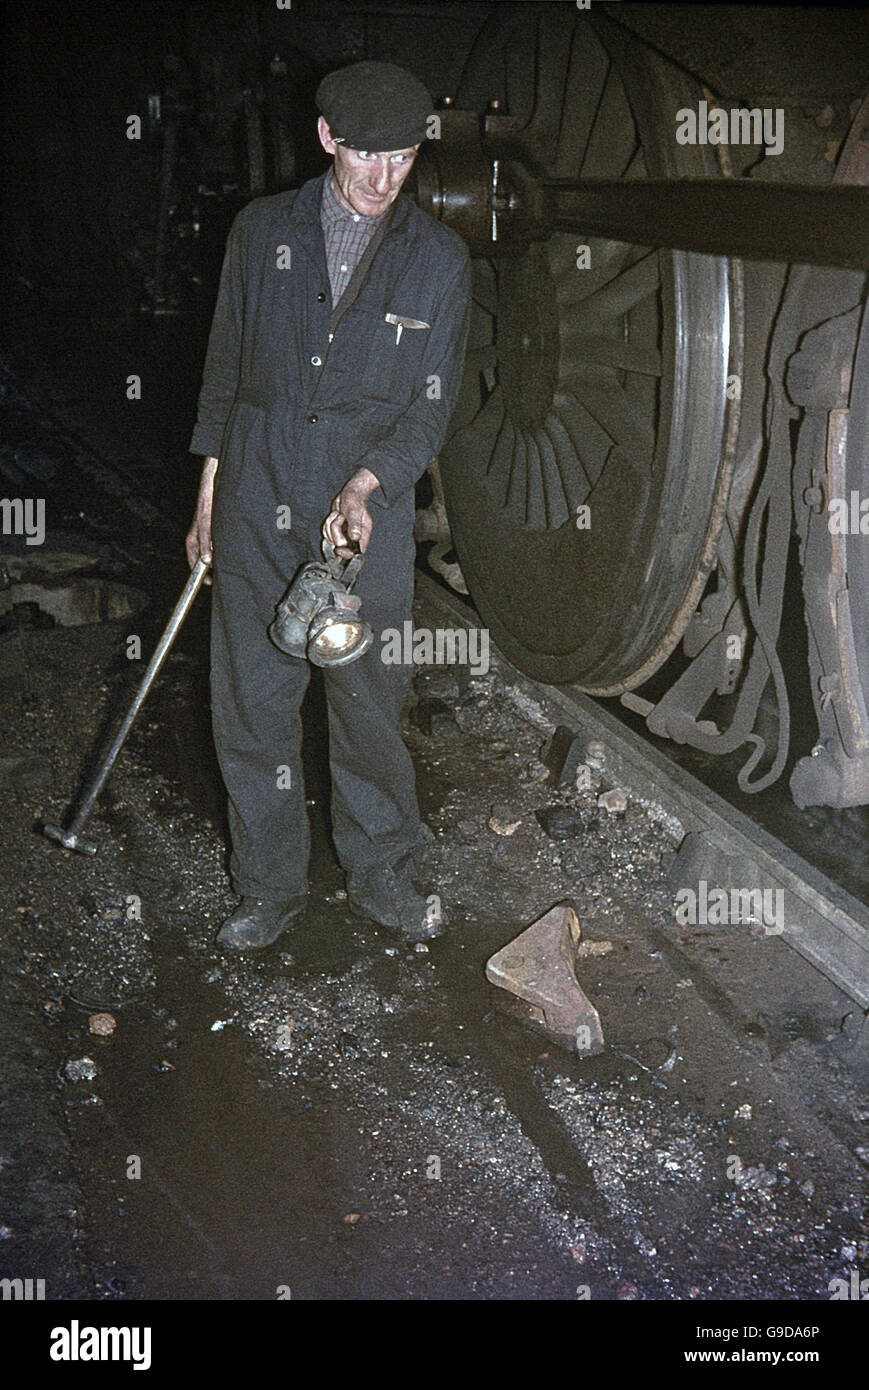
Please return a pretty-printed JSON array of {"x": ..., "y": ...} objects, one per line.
[{"x": 72, "y": 838}]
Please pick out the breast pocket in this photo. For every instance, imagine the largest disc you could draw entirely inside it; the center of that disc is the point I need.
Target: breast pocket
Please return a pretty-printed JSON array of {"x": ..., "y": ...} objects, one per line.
[{"x": 394, "y": 353}]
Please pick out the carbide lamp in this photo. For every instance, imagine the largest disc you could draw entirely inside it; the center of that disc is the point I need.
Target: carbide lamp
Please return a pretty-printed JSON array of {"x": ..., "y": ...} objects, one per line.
[{"x": 318, "y": 617}]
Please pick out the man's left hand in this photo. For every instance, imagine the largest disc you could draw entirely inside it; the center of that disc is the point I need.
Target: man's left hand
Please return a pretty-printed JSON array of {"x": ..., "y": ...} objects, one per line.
[{"x": 350, "y": 522}]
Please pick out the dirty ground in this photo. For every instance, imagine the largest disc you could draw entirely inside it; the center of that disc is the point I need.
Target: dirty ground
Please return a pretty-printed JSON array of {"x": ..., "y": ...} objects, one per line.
[{"x": 350, "y": 1119}]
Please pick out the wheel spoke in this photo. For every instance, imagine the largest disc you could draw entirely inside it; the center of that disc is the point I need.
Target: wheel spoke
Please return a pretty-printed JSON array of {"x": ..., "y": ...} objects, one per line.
[
  {"x": 517, "y": 484},
  {"x": 612, "y": 352},
  {"x": 516, "y": 85},
  {"x": 484, "y": 291},
  {"x": 607, "y": 261},
  {"x": 535, "y": 501},
  {"x": 552, "y": 55},
  {"x": 637, "y": 167},
  {"x": 592, "y": 444},
  {"x": 586, "y": 79},
  {"x": 557, "y": 506},
  {"x": 619, "y": 295},
  {"x": 502, "y": 462},
  {"x": 574, "y": 480},
  {"x": 481, "y": 359},
  {"x": 613, "y": 410},
  {"x": 613, "y": 140},
  {"x": 471, "y": 396},
  {"x": 561, "y": 254},
  {"x": 482, "y": 327},
  {"x": 481, "y": 432}
]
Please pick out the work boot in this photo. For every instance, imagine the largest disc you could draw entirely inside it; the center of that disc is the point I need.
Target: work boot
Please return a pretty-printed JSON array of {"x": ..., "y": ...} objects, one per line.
[
  {"x": 419, "y": 858},
  {"x": 256, "y": 923},
  {"x": 387, "y": 896}
]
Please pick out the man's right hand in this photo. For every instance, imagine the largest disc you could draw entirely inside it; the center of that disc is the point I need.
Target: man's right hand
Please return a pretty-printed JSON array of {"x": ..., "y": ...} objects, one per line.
[{"x": 198, "y": 542}]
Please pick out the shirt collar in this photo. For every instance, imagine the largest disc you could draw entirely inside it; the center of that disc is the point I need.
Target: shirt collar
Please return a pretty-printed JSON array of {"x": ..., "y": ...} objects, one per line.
[
  {"x": 305, "y": 214},
  {"x": 334, "y": 212}
]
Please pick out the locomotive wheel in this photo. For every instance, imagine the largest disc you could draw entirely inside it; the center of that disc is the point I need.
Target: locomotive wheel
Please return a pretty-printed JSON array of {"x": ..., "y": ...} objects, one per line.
[{"x": 603, "y": 387}]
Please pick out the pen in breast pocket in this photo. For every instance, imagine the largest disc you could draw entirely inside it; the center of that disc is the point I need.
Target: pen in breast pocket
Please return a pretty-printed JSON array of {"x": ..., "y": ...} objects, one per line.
[{"x": 399, "y": 322}]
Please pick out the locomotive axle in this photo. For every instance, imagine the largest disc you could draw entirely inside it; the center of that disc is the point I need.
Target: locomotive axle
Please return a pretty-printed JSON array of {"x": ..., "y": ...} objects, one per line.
[{"x": 486, "y": 187}]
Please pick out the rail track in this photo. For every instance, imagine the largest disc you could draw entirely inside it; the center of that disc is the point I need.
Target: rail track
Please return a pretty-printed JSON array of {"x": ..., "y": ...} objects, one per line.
[{"x": 825, "y": 924}]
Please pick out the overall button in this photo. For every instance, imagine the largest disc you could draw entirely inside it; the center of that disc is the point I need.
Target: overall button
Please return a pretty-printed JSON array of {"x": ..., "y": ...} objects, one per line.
[
  {"x": 321, "y": 298},
  {"x": 313, "y": 419},
  {"x": 316, "y": 362}
]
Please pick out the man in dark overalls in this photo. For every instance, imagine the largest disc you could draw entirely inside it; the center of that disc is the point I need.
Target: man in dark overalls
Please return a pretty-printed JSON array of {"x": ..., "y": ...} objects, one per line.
[{"x": 332, "y": 369}]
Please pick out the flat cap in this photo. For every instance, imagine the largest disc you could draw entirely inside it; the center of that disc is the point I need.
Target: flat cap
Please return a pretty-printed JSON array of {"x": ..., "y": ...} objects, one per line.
[{"x": 375, "y": 106}]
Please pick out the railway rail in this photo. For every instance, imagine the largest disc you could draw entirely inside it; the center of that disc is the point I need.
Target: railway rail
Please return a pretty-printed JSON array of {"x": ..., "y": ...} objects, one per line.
[{"x": 826, "y": 925}]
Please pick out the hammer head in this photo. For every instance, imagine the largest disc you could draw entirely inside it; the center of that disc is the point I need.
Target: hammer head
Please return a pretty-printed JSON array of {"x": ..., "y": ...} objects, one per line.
[{"x": 68, "y": 840}]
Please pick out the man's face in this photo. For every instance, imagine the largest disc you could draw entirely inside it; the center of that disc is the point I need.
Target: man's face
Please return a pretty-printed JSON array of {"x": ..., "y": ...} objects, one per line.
[{"x": 368, "y": 181}]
